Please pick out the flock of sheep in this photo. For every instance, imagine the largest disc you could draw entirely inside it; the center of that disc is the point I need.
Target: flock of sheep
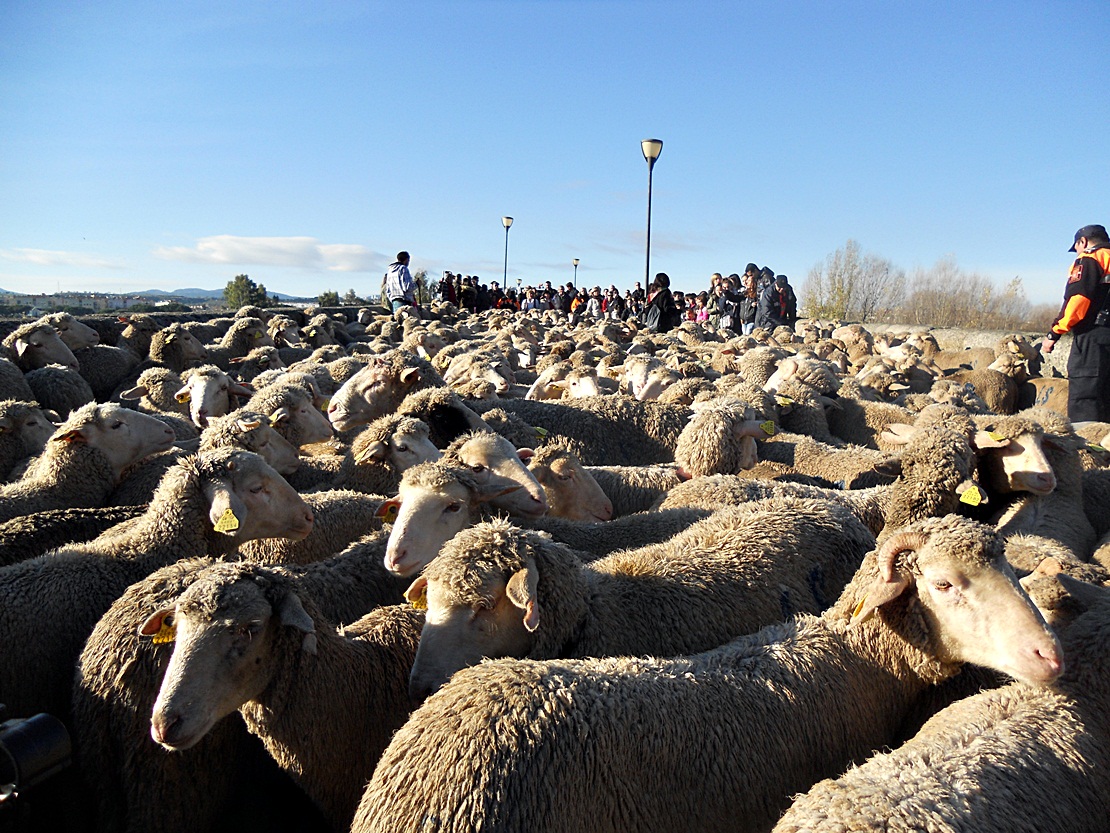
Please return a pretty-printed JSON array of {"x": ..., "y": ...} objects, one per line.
[{"x": 513, "y": 572}]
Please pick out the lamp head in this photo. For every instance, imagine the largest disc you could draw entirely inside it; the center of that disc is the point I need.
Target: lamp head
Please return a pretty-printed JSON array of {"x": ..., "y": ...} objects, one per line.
[
  {"x": 651, "y": 148},
  {"x": 506, "y": 221},
  {"x": 575, "y": 261}
]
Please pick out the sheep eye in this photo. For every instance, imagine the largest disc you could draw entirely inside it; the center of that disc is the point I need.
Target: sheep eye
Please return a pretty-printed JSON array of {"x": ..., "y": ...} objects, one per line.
[
  {"x": 257, "y": 490},
  {"x": 454, "y": 507},
  {"x": 942, "y": 585},
  {"x": 402, "y": 447},
  {"x": 477, "y": 468},
  {"x": 117, "y": 424}
]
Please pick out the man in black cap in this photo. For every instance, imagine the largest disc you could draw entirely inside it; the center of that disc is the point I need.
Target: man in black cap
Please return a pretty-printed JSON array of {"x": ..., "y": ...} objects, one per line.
[{"x": 1086, "y": 315}]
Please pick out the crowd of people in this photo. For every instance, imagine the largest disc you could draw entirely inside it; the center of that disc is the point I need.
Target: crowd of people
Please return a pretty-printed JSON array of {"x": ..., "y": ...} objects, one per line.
[{"x": 757, "y": 298}]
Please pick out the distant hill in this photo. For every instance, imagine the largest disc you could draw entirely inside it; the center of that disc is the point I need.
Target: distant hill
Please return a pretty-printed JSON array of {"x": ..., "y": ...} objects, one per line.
[{"x": 193, "y": 292}]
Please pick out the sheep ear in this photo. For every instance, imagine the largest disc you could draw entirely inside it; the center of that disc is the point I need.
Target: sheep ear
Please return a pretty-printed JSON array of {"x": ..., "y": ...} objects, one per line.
[
  {"x": 246, "y": 425},
  {"x": 21, "y": 346},
  {"x": 76, "y": 436},
  {"x": 161, "y": 626},
  {"x": 373, "y": 451},
  {"x": 292, "y": 613},
  {"x": 137, "y": 392},
  {"x": 410, "y": 375},
  {"x": 1083, "y": 592},
  {"x": 525, "y": 454},
  {"x": 417, "y": 594},
  {"x": 521, "y": 591},
  {"x": 226, "y": 511},
  {"x": 988, "y": 439},
  {"x": 889, "y": 584},
  {"x": 240, "y": 389},
  {"x": 897, "y": 433},
  {"x": 970, "y": 493},
  {"x": 183, "y": 395},
  {"x": 754, "y": 428},
  {"x": 279, "y": 416}
]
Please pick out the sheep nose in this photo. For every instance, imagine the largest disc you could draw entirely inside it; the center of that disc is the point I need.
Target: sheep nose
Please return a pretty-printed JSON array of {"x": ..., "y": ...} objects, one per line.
[
  {"x": 163, "y": 726},
  {"x": 419, "y": 691},
  {"x": 308, "y": 516}
]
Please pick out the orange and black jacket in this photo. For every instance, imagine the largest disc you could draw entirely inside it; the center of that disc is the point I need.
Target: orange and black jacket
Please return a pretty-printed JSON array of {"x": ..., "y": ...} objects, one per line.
[{"x": 1085, "y": 295}]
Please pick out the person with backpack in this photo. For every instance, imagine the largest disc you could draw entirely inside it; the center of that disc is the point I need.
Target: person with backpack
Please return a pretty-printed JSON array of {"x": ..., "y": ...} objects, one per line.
[{"x": 660, "y": 312}]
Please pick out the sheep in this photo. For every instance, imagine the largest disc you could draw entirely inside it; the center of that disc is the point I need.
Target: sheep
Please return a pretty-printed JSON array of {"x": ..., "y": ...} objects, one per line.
[
  {"x": 446, "y": 415},
  {"x": 137, "y": 335},
  {"x": 963, "y": 770},
  {"x": 857, "y": 467},
  {"x": 60, "y": 389},
  {"x": 435, "y": 501},
  {"x": 571, "y": 490},
  {"x": 28, "y": 536},
  {"x": 176, "y": 348},
  {"x": 720, "y": 438},
  {"x": 379, "y": 388},
  {"x": 118, "y": 680},
  {"x": 324, "y": 703},
  {"x": 24, "y": 430},
  {"x": 210, "y": 392},
  {"x": 292, "y": 413},
  {"x": 84, "y": 459},
  {"x": 251, "y": 431},
  {"x": 732, "y": 732},
  {"x": 206, "y": 505},
  {"x": 256, "y": 361},
  {"x": 480, "y": 451},
  {"x": 36, "y": 345},
  {"x": 385, "y": 449},
  {"x": 155, "y": 392},
  {"x": 631, "y": 489},
  {"x": 1055, "y": 513},
  {"x": 13, "y": 384},
  {"x": 743, "y": 568},
  {"x": 243, "y": 336},
  {"x": 105, "y": 367},
  {"x": 998, "y": 390},
  {"x": 607, "y": 430},
  {"x": 341, "y": 517}
]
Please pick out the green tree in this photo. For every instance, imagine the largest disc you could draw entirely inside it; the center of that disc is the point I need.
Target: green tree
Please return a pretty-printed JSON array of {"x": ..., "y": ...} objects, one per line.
[
  {"x": 350, "y": 299},
  {"x": 328, "y": 298},
  {"x": 243, "y": 292}
]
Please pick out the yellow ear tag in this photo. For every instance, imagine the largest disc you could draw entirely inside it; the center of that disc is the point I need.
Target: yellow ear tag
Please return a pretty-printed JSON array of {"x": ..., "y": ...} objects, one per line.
[
  {"x": 388, "y": 511},
  {"x": 784, "y": 400},
  {"x": 541, "y": 433},
  {"x": 227, "y": 522},
  {"x": 421, "y": 601},
  {"x": 768, "y": 428},
  {"x": 274, "y": 419},
  {"x": 258, "y": 335},
  {"x": 972, "y": 496},
  {"x": 859, "y": 607},
  {"x": 182, "y": 397},
  {"x": 325, "y": 405},
  {"x": 994, "y": 435},
  {"x": 1096, "y": 447},
  {"x": 166, "y": 633}
]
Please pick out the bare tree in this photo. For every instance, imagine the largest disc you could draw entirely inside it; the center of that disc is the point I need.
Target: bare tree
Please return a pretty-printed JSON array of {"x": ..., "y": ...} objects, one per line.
[{"x": 852, "y": 285}]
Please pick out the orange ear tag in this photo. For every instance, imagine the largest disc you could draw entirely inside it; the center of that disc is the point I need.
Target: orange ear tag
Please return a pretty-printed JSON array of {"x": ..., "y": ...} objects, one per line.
[
  {"x": 420, "y": 602},
  {"x": 972, "y": 496},
  {"x": 388, "y": 511},
  {"x": 227, "y": 522},
  {"x": 768, "y": 428}
]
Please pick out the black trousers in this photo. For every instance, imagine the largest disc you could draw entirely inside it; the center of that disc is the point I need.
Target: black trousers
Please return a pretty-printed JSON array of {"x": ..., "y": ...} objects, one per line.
[{"x": 1089, "y": 376}]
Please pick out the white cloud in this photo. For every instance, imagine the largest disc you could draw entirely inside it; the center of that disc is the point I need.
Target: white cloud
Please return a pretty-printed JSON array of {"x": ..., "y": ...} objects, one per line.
[
  {"x": 49, "y": 257},
  {"x": 293, "y": 252}
]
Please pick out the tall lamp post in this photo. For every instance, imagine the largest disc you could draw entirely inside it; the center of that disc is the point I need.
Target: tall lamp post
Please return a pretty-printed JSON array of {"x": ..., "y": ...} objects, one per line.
[
  {"x": 651, "y": 148},
  {"x": 506, "y": 222},
  {"x": 575, "y": 262}
]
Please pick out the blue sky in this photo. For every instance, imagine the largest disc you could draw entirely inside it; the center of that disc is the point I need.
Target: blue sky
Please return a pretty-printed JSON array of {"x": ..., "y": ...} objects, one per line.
[{"x": 149, "y": 145}]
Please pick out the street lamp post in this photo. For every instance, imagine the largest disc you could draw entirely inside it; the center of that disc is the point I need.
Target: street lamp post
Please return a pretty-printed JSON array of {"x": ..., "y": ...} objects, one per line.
[
  {"x": 575, "y": 262},
  {"x": 651, "y": 148},
  {"x": 506, "y": 222}
]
